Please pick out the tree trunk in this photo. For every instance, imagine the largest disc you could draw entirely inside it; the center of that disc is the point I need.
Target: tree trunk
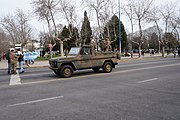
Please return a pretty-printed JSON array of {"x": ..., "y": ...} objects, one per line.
[
  {"x": 139, "y": 51},
  {"x": 159, "y": 37},
  {"x": 98, "y": 23},
  {"x": 53, "y": 20},
  {"x": 163, "y": 51},
  {"x": 61, "y": 47},
  {"x": 140, "y": 37}
]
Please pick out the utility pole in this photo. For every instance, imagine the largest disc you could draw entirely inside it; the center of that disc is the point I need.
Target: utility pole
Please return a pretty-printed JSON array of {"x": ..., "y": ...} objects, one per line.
[{"x": 119, "y": 28}]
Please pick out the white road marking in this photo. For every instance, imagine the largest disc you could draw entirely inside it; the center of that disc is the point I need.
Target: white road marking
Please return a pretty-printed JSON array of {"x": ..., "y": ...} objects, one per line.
[
  {"x": 15, "y": 79},
  {"x": 137, "y": 64},
  {"x": 147, "y": 80},
  {"x": 35, "y": 101},
  {"x": 153, "y": 67},
  {"x": 101, "y": 74}
]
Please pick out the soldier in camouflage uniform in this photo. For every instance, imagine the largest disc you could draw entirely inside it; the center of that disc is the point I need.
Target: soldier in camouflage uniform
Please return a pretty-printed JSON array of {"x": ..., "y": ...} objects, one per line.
[
  {"x": 105, "y": 45},
  {"x": 13, "y": 60},
  {"x": 93, "y": 43}
]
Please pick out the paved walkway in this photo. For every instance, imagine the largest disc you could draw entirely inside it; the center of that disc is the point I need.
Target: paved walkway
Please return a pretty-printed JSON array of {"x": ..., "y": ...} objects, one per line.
[{"x": 4, "y": 64}]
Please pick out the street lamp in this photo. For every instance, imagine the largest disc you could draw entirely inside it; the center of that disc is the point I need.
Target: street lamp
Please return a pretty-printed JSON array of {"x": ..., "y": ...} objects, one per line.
[{"x": 119, "y": 28}]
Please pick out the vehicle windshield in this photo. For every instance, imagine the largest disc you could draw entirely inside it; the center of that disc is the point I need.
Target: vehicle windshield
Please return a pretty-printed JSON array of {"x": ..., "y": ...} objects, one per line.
[{"x": 74, "y": 51}]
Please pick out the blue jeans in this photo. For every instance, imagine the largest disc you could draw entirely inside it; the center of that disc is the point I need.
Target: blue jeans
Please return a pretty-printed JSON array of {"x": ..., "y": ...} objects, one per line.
[{"x": 21, "y": 63}]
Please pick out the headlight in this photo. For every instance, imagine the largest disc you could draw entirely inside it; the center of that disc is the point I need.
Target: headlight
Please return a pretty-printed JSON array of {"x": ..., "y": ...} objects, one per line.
[{"x": 55, "y": 63}]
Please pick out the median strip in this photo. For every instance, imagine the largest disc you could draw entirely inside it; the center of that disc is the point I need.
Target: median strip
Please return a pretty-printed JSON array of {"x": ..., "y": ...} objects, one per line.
[{"x": 15, "y": 79}]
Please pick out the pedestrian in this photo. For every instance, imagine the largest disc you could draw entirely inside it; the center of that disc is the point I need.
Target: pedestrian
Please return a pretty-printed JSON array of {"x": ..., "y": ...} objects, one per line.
[
  {"x": 174, "y": 52},
  {"x": 142, "y": 52},
  {"x": 131, "y": 53},
  {"x": 9, "y": 61},
  {"x": 13, "y": 58},
  {"x": 179, "y": 52},
  {"x": 3, "y": 55},
  {"x": 153, "y": 52},
  {"x": 21, "y": 62}
]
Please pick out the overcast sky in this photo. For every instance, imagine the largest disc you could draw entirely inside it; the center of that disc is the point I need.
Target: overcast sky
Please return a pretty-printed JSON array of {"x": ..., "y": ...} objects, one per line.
[{"x": 10, "y": 6}]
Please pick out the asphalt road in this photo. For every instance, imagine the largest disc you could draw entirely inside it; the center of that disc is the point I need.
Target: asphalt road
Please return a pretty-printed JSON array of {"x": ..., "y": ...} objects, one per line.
[{"x": 135, "y": 90}]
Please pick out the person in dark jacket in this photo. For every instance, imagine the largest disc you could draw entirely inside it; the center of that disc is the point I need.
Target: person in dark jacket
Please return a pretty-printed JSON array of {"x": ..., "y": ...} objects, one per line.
[
  {"x": 9, "y": 61},
  {"x": 21, "y": 62}
]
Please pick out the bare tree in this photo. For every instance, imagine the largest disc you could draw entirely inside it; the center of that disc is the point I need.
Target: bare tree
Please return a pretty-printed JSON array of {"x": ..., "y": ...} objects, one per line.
[
  {"x": 4, "y": 43},
  {"x": 166, "y": 13},
  {"x": 174, "y": 25},
  {"x": 23, "y": 27},
  {"x": 128, "y": 10},
  {"x": 42, "y": 12},
  {"x": 154, "y": 16},
  {"x": 97, "y": 6},
  {"x": 69, "y": 12},
  {"x": 141, "y": 9},
  {"x": 10, "y": 27},
  {"x": 46, "y": 9},
  {"x": 105, "y": 15},
  {"x": 17, "y": 27}
]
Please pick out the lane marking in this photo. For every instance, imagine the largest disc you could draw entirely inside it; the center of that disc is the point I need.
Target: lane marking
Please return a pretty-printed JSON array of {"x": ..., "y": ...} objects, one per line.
[
  {"x": 101, "y": 74},
  {"x": 15, "y": 79},
  {"x": 153, "y": 67},
  {"x": 144, "y": 63},
  {"x": 147, "y": 80},
  {"x": 35, "y": 101},
  {"x": 45, "y": 81}
]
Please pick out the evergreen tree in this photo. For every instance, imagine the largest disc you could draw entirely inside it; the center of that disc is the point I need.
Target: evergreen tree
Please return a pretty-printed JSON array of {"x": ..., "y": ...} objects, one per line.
[
  {"x": 69, "y": 40},
  {"x": 170, "y": 40},
  {"x": 86, "y": 31},
  {"x": 111, "y": 31},
  {"x": 65, "y": 33}
]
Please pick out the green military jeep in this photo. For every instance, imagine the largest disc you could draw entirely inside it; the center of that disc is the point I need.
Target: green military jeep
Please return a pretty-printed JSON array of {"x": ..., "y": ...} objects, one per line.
[{"x": 83, "y": 58}]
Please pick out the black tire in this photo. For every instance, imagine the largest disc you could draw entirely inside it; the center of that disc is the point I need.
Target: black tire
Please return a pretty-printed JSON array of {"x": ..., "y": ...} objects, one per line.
[
  {"x": 107, "y": 67},
  {"x": 66, "y": 71},
  {"x": 96, "y": 69}
]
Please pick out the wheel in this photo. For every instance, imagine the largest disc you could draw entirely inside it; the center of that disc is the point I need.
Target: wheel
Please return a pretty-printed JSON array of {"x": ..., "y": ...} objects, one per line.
[
  {"x": 107, "y": 67},
  {"x": 96, "y": 69},
  {"x": 66, "y": 71}
]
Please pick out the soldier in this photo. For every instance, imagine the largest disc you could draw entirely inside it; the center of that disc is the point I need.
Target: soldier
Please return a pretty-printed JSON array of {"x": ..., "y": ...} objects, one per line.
[
  {"x": 93, "y": 43},
  {"x": 108, "y": 45},
  {"x": 102, "y": 45},
  {"x": 13, "y": 60}
]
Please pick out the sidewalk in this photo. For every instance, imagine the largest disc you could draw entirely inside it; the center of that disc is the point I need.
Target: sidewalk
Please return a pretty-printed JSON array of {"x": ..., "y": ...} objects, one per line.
[{"x": 38, "y": 64}]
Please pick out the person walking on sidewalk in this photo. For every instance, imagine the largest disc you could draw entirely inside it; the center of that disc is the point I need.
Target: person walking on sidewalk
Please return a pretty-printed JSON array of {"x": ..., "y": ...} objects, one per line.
[
  {"x": 13, "y": 58},
  {"x": 179, "y": 52},
  {"x": 9, "y": 61},
  {"x": 21, "y": 62}
]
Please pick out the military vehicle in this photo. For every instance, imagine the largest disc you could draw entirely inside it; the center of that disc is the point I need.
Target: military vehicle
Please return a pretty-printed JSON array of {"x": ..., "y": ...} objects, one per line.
[{"x": 85, "y": 57}]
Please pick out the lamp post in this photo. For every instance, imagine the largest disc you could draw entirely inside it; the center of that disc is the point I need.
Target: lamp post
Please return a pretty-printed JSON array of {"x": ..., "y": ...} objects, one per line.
[{"x": 119, "y": 28}]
